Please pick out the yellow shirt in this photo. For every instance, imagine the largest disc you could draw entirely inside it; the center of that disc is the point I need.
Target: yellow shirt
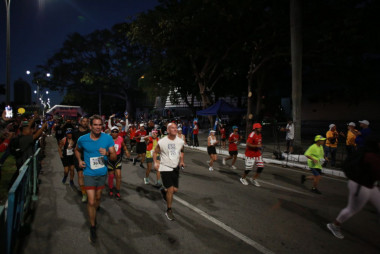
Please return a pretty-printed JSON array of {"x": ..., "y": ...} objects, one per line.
[
  {"x": 331, "y": 134},
  {"x": 350, "y": 141}
]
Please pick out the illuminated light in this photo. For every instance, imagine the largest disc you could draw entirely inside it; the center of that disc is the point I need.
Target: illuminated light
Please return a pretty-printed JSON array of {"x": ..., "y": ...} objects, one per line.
[
  {"x": 48, "y": 75},
  {"x": 35, "y": 91},
  {"x": 28, "y": 72},
  {"x": 47, "y": 92}
]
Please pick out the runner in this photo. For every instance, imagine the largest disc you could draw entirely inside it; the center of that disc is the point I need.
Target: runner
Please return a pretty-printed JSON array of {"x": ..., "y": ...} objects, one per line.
[
  {"x": 253, "y": 155},
  {"x": 211, "y": 150},
  {"x": 171, "y": 150},
  {"x": 80, "y": 131},
  {"x": 362, "y": 186},
  {"x": 152, "y": 143},
  {"x": 95, "y": 147},
  {"x": 141, "y": 145},
  {"x": 115, "y": 166},
  {"x": 315, "y": 154},
  {"x": 132, "y": 133},
  {"x": 66, "y": 152},
  {"x": 195, "y": 134},
  {"x": 232, "y": 147},
  {"x": 181, "y": 136}
]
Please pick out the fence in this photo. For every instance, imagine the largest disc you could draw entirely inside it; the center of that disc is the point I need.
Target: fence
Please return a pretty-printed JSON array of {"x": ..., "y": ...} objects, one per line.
[{"x": 20, "y": 197}]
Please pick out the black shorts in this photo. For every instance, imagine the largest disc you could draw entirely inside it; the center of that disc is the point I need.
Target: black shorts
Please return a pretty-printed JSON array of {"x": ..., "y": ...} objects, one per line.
[
  {"x": 76, "y": 164},
  {"x": 68, "y": 161},
  {"x": 211, "y": 150},
  {"x": 132, "y": 142},
  {"x": 223, "y": 139},
  {"x": 170, "y": 178},
  {"x": 141, "y": 148},
  {"x": 232, "y": 153},
  {"x": 113, "y": 165},
  {"x": 289, "y": 142}
]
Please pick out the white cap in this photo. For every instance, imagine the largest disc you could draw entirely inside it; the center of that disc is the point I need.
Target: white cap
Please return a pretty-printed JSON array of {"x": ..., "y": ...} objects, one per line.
[
  {"x": 141, "y": 124},
  {"x": 119, "y": 125},
  {"x": 114, "y": 128},
  {"x": 364, "y": 122},
  {"x": 351, "y": 124},
  {"x": 331, "y": 125},
  {"x": 212, "y": 131},
  {"x": 122, "y": 121},
  {"x": 179, "y": 129}
]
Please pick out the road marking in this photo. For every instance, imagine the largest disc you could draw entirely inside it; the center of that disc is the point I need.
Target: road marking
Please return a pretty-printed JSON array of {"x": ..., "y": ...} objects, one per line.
[
  {"x": 286, "y": 188},
  {"x": 232, "y": 231}
]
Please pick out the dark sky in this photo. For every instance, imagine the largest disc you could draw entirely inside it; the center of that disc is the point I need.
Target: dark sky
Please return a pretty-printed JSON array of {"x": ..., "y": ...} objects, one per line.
[{"x": 39, "y": 28}]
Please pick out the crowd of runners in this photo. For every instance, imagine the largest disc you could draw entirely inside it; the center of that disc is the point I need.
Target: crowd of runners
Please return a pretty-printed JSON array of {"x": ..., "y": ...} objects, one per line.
[{"x": 96, "y": 148}]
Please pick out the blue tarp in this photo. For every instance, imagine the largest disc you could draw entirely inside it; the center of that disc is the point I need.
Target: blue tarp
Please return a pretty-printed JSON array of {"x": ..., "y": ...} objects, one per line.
[{"x": 220, "y": 108}]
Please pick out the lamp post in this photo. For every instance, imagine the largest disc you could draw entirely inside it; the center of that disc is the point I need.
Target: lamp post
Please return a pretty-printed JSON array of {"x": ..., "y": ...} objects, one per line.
[
  {"x": 40, "y": 95},
  {"x": 8, "y": 53}
]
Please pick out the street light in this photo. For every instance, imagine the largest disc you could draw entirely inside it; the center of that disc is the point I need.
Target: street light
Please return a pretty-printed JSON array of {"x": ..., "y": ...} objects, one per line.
[{"x": 8, "y": 53}]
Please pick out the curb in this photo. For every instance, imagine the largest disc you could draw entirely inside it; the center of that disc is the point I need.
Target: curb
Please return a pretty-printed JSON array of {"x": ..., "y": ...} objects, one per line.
[{"x": 290, "y": 163}]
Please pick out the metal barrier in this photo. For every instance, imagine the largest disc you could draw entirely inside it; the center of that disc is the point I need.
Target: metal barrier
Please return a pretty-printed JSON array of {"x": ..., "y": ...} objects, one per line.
[{"x": 20, "y": 197}]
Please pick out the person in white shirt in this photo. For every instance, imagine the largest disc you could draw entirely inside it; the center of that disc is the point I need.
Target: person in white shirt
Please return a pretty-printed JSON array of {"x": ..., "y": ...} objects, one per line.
[
  {"x": 171, "y": 150},
  {"x": 289, "y": 129}
]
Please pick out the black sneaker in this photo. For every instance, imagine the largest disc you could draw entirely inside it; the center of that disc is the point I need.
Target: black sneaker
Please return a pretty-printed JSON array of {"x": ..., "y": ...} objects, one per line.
[
  {"x": 163, "y": 193},
  {"x": 64, "y": 179},
  {"x": 93, "y": 234},
  {"x": 315, "y": 190},
  {"x": 169, "y": 214},
  {"x": 303, "y": 179},
  {"x": 134, "y": 161},
  {"x": 141, "y": 165}
]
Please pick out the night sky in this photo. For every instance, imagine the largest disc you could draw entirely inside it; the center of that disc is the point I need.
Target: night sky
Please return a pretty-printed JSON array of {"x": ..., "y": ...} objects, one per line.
[{"x": 39, "y": 28}]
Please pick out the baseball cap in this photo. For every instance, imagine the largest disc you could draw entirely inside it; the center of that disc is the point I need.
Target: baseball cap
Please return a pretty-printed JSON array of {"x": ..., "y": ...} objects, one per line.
[
  {"x": 351, "y": 124},
  {"x": 180, "y": 129},
  {"x": 319, "y": 137},
  {"x": 114, "y": 128},
  {"x": 212, "y": 131},
  {"x": 122, "y": 121},
  {"x": 141, "y": 124},
  {"x": 364, "y": 122},
  {"x": 234, "y": 127},
  {"x": 331, "y": 125},
  {"x": 69, "y": 131},
  {"x": 256, "y": 126},
  {"x": 119, "y": 125}
]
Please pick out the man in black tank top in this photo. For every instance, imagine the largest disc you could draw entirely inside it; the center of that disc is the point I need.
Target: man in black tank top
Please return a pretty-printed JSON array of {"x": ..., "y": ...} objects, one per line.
[{"x": 83, "y": 129}]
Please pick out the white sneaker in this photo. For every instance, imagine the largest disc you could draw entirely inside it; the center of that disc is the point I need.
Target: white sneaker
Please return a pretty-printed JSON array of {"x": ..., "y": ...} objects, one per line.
[
  {"x": 210, "y": 168},
  {"x": 243, "y": 181},
  {"x": 254, "y": 182},
  {"x": 233, "y": 167},
  {"x": 224, "y": 161},
  {"x": 146, "y": 180},
  {"x": 335, "y": 230}
]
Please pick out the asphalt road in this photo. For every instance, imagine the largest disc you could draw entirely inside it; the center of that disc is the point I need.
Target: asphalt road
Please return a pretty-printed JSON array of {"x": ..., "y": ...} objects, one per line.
[{"x": 214, "y": 212}]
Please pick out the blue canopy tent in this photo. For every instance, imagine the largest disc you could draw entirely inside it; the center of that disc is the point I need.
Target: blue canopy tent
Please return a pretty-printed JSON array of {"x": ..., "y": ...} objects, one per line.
[{"x": 221, "y": 107}]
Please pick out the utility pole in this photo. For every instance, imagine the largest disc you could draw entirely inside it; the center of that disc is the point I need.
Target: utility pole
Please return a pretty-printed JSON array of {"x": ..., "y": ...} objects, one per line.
[
  {"x": 296, "y": 62},
  {"x": 8, "y": 54}
]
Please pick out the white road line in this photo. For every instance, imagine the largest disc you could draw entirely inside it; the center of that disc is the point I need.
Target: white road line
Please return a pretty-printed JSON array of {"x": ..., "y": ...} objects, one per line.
[
  {"x": 286, "y": 188},
  {"x": 232, "y": 231}
]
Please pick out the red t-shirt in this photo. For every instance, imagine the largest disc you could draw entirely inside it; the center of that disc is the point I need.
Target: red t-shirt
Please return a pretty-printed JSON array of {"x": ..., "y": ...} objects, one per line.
[
  {"x": 139, "y": 134},
  {"x": 254, "y": 139},
  {"x": 122, "y": 134},
  {"x": 150, "y": 143},
  {"x": 196, "y": 129},
  {"x": 223, "y": 133},
  {"x": 232, "y": 140}
]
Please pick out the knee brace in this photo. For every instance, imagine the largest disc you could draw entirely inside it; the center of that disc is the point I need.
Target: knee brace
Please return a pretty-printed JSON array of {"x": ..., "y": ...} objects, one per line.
[{"x": 259, "y": 170}]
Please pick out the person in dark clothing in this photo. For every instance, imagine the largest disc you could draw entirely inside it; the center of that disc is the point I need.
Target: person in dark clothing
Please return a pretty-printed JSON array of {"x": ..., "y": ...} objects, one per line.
[{"x": 363, "y": 133}]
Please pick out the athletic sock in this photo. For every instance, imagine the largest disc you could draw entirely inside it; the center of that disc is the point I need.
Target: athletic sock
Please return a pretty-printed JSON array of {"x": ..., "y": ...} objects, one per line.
[{"x": 110, "y": 181}]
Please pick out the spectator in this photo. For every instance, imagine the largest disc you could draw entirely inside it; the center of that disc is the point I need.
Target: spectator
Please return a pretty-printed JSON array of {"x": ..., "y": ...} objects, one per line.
[
  {"x": 289, "y": 129},
  {"x": 350, "y": 138},
  {"x": 363, "y": 133},
  {"x": 331, "y": 144}
]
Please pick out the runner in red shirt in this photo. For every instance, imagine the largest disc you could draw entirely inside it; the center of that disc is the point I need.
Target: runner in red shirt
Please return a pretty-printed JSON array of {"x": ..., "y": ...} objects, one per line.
[
  {"x": 140, "y": 145},
  {"x": 195, "y": 134},
  {"x": 232, "y": 147},
  {"x": 253, "y": 155}
]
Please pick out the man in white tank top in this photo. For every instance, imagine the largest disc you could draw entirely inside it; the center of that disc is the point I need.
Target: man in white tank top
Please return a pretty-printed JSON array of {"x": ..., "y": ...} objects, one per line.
[{"x": 171, "y": 149}]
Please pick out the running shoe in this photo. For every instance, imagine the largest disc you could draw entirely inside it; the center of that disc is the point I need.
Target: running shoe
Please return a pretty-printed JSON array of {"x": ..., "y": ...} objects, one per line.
[
  {"x": 110, "y": 193},
  {"x": 141, "y": 165},
  {"x": 224, "y": 161},
  {"x": 64, "y": 179},
  {"x": 254, "y": 182},
  {"x": 303, "y": 179},
  {"x": 134, "y": 161},
  {"x": 243, "y": 181},
  {"x": 169, "y": 214},
  {"x": 159, "y": 183},
  {"x": 211, "y": 168},
  {"x": 315, "y": 190},
  {"x": 84, "y": 198},
  {"x": 335, "y": 230},
  {"x": 71, "y": 184},
  {"x": 118, "y": 196},
  {"x": 163, "y": 193},
  {"x": 146, "y": 180},
  {"x": 233, "y": 167},
  {"x": 93, "y": 234}
]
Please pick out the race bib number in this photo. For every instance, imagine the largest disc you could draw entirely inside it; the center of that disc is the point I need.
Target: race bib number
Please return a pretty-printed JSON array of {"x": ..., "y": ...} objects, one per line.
[
  {"x": 69, "y": 152},
  {"x": 117, "y": 147},
  {"x": 172, "y": 151},
  {"x": 96, "y": 162},
  {"x": 142, "y": 139},
  {"x": 249, "y": 161}
]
